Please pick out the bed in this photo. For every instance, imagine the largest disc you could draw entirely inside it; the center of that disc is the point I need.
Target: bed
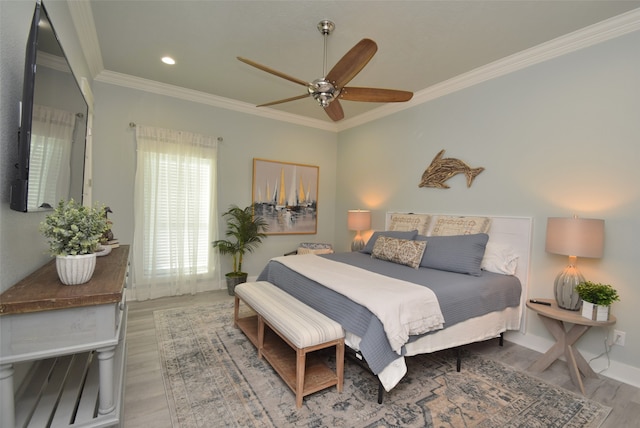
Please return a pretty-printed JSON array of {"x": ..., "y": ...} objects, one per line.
[{"x": 476, "y": 267}]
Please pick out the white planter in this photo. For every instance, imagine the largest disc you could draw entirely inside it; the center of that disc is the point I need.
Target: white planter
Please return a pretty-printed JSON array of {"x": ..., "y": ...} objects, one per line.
[
  {"x": 595, "y": 312},
  {"x": 74, "y": 270}
]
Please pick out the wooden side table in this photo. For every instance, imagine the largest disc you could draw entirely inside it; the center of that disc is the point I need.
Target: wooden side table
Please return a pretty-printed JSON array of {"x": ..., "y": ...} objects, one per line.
[
  {"x": 60, "y": 327},
  {"x": 554, "y": 319}
]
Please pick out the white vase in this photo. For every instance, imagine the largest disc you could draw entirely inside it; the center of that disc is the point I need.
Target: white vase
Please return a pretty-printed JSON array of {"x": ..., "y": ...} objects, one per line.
[
  {"x": 595, "y": 312},
  {"x": 74, "y": 270}
]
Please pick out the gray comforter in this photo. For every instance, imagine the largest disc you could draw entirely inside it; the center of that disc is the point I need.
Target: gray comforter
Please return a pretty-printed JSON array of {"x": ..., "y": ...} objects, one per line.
[{"x": 461, "y": 297}]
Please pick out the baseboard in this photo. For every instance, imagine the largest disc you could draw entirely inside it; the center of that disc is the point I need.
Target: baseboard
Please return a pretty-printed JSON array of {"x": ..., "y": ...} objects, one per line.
[{"x": 617, "y": 370}]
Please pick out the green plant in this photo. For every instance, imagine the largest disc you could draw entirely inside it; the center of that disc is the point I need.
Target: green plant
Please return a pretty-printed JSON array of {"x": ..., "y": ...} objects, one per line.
[
  {"x": 246, "y": 231},
  {"x": 598, "y": 294},
  {"x": 74, "y": 229}
]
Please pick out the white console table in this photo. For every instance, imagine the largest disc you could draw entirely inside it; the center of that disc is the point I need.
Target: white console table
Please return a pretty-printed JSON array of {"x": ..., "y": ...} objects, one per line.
[{"x": 75, "y": 335}]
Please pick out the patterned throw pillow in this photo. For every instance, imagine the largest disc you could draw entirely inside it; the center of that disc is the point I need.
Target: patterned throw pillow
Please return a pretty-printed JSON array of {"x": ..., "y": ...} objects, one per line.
[
  {"x": 453, "y": 225},
  {"x": 304, "y": 250},
  {"x": 368, "y": 249},
  {"x": 404, "y": 222},
  {"x": 402, "y": 251}
]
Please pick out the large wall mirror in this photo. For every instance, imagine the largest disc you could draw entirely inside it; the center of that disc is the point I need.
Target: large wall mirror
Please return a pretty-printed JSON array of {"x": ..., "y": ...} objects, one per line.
[{"x": 58, "y": 125}]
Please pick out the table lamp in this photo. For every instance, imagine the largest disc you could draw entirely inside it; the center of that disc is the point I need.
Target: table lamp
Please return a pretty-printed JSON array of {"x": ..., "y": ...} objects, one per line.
[
  {"x": 574, "y": 237},
  {"x": 358, "y": 220}
]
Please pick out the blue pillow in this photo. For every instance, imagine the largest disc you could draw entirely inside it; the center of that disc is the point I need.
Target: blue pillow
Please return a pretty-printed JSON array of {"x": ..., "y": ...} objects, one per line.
[
  {"x": 410, "y": 235},
  {"x": 456, "y": 253}
]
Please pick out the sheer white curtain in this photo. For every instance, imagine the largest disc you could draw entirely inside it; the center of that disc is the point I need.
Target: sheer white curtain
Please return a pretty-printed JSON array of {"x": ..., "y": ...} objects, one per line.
[
  {"x": 174, "y": 210},
  {"x": 50, "y": 157}
]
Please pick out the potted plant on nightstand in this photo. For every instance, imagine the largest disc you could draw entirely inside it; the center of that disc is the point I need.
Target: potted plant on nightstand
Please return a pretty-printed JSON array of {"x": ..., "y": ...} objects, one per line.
[
  {"x": 74, "y": 232},
  {"x": 596, "y": 299},
  {"x": 245, "y": 232}
]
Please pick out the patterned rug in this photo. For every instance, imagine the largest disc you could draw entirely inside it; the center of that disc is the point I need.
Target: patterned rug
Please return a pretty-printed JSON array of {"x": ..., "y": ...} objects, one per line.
[{"x": 213, "y": 378}]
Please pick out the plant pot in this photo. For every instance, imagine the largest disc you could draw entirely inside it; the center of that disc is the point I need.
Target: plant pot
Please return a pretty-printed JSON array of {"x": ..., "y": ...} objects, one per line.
[
  {"x": 595, "y": 312},
  {"x": 74, "y": 270},
  {"x": 234, "y": 279}
]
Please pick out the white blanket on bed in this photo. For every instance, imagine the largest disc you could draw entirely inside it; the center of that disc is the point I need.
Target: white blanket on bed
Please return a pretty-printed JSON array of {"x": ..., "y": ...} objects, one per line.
[{"x": 404, "y": 308}]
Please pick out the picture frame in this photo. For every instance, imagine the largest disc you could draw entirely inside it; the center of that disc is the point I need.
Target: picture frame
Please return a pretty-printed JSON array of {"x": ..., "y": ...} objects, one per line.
[{"x": 285, "y": 194}]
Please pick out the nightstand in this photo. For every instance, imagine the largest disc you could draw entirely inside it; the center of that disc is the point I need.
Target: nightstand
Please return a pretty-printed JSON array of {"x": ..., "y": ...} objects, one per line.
[{"x": 554, "y": 319}]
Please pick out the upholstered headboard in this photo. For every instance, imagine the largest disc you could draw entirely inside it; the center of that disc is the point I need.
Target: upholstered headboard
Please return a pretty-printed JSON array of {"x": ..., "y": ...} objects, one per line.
[{"x": 512, "y": 232}]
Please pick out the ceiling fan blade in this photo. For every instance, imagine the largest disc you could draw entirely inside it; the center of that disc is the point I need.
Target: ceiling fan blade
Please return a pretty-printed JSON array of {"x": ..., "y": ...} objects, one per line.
[
  {"x": 334, "y": 111},
  {"x": 286, "y": 100},
  {"x": 375, "y": 95},
  {"x": 272, "y": 71},
  {"x": 352, "y": 62}
]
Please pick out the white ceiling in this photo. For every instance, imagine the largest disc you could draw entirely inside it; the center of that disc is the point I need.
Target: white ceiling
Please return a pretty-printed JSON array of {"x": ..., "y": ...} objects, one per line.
[{"x": 420, "y": 43}]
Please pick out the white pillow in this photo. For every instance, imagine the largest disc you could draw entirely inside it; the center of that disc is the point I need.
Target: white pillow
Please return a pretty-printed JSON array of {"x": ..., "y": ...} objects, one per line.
[{"x": 499, "y": 258}]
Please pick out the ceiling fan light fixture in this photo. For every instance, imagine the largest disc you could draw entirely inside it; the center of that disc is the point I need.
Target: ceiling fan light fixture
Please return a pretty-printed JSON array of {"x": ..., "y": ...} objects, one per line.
[{"x": 323, "y": 91}]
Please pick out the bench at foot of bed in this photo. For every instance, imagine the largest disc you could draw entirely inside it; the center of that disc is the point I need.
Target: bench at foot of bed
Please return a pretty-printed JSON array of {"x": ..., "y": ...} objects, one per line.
[{"x": 294, "y": 330}]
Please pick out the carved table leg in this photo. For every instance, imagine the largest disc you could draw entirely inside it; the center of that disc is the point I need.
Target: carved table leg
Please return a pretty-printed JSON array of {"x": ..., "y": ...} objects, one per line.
[{"x": 564, "y": 345}]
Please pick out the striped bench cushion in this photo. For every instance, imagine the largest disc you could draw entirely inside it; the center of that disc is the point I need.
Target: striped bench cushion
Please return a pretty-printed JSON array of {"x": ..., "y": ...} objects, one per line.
[{"x": 301, "y": 324}]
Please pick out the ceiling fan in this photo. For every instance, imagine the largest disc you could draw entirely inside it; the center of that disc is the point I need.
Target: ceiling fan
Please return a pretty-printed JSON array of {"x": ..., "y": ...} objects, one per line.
[{"x": 329, "y": 89}]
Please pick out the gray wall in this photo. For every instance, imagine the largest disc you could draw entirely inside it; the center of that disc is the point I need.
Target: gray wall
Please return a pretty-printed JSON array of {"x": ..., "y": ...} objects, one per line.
[
  {"x": 556, "y": 139},
  {"x": 22, "y": 248},
  {"x": 244, "y": 137}
]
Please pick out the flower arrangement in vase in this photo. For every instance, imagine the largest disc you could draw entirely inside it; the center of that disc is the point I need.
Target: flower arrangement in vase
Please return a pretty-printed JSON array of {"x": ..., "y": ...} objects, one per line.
[
  {"x": 74, "y": 232},
  {"x": 596, "y": 299}
]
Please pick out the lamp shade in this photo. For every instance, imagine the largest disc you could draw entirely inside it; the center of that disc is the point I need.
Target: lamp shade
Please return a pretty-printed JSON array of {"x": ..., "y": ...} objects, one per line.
[
  {"x": 359, "y": 220},
  {"x": 580, "y": 237}
]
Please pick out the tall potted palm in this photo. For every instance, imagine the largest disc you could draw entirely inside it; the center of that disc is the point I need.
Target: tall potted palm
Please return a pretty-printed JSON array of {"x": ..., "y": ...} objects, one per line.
[{"x": 245, "y": 232}]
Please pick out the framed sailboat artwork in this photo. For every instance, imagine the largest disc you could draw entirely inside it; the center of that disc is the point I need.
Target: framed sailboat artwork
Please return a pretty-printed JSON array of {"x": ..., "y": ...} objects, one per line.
[{"x": 286, "y": 195}]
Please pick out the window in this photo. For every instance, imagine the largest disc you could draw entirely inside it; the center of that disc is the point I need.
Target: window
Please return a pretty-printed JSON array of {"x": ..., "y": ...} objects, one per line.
[{"x": 174, "y": 212}]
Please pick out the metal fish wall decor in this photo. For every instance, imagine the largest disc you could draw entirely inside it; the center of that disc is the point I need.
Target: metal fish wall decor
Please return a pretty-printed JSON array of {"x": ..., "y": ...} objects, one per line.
[{"x": 442, "y": 169}]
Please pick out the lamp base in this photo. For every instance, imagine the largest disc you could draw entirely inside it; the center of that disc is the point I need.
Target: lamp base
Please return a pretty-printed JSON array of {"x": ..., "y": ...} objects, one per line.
[
  {"x": 564, "y": 288},
  {"x": 357, "y": 244}
]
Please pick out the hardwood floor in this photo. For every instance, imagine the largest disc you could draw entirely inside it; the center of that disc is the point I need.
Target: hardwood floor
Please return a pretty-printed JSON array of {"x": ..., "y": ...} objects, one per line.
[{"x": 146, "y": 403}]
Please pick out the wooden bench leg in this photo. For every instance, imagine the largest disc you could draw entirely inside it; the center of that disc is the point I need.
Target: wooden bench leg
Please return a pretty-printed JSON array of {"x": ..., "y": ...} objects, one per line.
[
  {"x": 236, "y": 311},
  {"x": 340, "y": 364},
  {"x": 300, "y": 369},
  {"x": 260, "y": 335}
]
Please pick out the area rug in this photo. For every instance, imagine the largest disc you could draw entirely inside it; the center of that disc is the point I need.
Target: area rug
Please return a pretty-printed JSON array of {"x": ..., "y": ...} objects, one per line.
[{"x": 213, "y": 378}]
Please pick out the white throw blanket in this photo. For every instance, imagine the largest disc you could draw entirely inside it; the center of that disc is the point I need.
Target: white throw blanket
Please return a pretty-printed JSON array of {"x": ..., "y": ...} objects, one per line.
[{"x": 404, "y": 308}]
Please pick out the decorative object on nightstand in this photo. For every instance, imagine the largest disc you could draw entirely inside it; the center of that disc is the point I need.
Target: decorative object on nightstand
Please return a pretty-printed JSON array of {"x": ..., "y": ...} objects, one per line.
[
  {"x": 574, "y": 237},
  {"x": 358, "y": 220},
  {"x": 596, "y": 300}
]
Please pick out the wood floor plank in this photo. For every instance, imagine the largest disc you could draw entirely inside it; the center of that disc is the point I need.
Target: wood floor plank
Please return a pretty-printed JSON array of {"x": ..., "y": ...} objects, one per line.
[{"x": 146, "y": 402}]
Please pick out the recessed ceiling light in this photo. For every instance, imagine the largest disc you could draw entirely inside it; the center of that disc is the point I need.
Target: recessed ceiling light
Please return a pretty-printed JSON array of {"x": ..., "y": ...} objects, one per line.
[{"x": 168, "y": 60}]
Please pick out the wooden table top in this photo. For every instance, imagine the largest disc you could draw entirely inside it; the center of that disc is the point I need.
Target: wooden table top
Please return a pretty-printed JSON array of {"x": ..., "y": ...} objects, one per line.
[
  {"x": 573, "y": 317},
  {"x": 43, "y": 291}
]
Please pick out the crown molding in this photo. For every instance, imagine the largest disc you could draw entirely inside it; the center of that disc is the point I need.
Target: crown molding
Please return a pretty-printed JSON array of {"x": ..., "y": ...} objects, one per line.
[
  {"x": 179, "y": 92},
  {"x": 597, "y": 33},
  {"x": 82, "y": 17}
]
